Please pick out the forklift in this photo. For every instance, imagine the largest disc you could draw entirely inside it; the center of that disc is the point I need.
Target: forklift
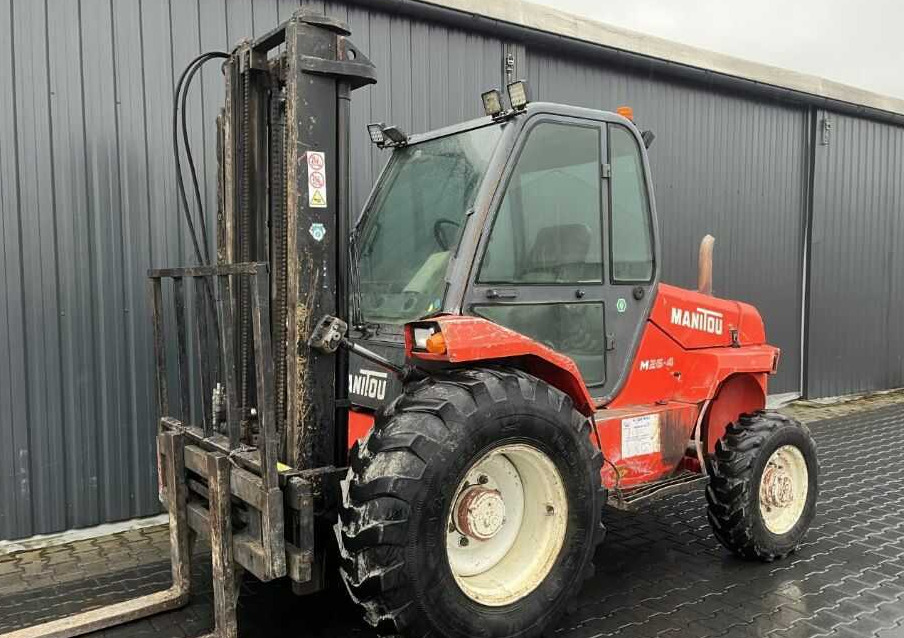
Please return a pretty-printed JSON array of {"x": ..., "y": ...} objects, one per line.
[{"x": 436, "y": 403}]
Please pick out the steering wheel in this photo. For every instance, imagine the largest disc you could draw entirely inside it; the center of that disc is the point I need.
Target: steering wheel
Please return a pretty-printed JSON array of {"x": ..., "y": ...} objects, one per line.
[{"x": 439, "y": 235}]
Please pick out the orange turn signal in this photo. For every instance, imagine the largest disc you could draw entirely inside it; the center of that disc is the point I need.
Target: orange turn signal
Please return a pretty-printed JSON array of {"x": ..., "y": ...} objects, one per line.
[
  {"x": 436, "y": 343},
  {"x": 626, "y": 112}
]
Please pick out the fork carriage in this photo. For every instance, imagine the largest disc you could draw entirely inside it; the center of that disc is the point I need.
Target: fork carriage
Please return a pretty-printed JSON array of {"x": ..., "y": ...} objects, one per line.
[{"x": 221, "y": 477}]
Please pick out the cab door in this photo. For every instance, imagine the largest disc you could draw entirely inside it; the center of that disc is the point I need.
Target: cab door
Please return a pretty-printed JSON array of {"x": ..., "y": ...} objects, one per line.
[
  {"x": 632, "y": 271},
  {"x": 541, "y": 271},
  {"x": 568, "y": 259}
]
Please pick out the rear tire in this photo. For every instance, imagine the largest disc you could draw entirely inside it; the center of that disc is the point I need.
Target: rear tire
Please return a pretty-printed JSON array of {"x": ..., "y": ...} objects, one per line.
[
  {"x": 763, "y": 486},
  {"x": 415, "y": 469}
]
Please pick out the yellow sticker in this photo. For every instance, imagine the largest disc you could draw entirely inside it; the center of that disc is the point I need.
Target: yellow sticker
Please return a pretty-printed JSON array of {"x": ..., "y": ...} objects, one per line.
[
  {"x": 316, "y": 161},
  {"x": 282, "y": 467}
]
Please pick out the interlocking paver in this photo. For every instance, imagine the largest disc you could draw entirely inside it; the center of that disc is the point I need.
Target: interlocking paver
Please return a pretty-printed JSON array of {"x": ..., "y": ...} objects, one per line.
[{"x": 659, "y": 573}]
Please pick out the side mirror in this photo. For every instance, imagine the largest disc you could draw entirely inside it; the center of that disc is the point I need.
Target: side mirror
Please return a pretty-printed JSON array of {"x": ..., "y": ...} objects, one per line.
[{"x": 648, "y": 137}]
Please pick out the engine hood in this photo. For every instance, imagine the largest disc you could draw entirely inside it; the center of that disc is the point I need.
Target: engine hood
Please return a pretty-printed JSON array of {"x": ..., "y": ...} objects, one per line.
[{"x": 696, "y": 320}]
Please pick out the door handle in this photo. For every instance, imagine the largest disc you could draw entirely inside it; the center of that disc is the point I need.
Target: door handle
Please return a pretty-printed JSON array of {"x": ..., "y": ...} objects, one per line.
[{"x": 501, "y": 293}]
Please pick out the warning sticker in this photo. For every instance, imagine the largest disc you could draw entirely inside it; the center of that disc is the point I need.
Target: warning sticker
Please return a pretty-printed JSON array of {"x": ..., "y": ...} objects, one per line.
[
  {"x": 640, "y": 435},
  {"x": 316, "y": 179}
]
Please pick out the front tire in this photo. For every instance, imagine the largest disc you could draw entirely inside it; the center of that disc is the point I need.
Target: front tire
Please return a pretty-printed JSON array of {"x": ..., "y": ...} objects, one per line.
[
  {"x": 472, "y": 508},
  {"x": 763, "y": 486}
]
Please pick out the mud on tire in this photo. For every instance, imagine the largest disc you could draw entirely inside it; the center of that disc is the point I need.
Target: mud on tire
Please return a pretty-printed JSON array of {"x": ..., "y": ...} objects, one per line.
[
  {"x": 734, "y": 491},
  {"x": 404, "y": 475}
]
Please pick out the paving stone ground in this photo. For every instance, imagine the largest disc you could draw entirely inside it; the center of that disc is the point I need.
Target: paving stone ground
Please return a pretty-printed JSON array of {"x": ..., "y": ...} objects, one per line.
[{"x": 659, "y": 573}]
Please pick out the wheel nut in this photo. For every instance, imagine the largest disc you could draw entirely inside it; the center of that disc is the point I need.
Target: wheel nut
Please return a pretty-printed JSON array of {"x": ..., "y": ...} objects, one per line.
[
  {"x": 482, "y": 479},
  {"x": 550, "y": 510},
  {"x": 463, "y": 541}
]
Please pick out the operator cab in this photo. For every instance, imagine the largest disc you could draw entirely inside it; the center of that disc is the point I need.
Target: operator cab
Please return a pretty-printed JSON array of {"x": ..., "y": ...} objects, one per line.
[{"x": 540, "y": 218}]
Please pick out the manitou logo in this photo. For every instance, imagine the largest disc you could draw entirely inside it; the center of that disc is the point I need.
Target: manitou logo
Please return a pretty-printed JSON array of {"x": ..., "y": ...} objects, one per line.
[
  {"x": 702, "y": 319},
  {"x": 368, "y": 383}
]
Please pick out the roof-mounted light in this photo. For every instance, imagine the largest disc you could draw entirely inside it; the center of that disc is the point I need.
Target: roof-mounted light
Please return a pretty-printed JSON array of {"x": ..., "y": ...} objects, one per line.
[
  {"x": 492, "y": 102},
  {"x": 519, "y": 94},
  {"x": 383, "y": 135},
  {"x": 395, "y": 135},
  {"x": 375, "y": 131},
  {"x": 626, "y": 112}
]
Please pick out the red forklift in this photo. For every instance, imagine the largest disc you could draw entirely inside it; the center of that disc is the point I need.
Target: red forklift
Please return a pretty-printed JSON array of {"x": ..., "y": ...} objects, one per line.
[{"x": 438, "y": 401}]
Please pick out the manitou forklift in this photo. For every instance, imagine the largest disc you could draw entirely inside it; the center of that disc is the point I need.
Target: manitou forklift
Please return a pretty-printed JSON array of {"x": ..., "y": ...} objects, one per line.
[{"x": 439, "y": 402}]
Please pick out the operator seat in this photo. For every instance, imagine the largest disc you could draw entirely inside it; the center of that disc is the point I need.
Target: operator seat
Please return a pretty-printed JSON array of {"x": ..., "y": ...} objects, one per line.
[{"x": 559, "y": 255}]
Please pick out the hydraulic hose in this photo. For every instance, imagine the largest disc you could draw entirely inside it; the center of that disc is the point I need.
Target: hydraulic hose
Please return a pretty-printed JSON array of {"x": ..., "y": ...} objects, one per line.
[{"x": 179, "y": 97}]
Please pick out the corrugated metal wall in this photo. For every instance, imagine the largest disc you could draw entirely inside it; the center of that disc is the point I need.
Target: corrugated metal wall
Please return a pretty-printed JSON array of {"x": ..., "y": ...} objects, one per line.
[
  {"x": 88, "y": 203},
  {"x": 856, "y": 312}
]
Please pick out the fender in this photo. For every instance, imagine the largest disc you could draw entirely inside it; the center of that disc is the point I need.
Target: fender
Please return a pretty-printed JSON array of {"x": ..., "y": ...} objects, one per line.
[
  {"x": 738, "y": 394},
  {"x": 474, "y": 339}
]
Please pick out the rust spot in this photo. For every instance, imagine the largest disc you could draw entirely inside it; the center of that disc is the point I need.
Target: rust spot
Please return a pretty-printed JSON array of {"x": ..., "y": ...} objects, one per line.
[{"x": 674, "y": 434}]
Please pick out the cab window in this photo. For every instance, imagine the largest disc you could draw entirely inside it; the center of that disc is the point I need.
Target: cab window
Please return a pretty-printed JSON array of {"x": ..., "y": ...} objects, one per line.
[
  {"x": 548, "y": 225},
  {"x": 631, "y": 239}
]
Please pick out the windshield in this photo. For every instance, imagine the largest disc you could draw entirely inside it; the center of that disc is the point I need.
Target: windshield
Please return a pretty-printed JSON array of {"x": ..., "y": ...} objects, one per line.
[{"x": 414, "y": 222}]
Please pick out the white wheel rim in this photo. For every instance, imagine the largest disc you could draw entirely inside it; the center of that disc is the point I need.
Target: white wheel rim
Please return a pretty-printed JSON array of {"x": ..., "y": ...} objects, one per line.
[
  {"x": 783, "y": 489},
  {"x": 506, "y": 525}
]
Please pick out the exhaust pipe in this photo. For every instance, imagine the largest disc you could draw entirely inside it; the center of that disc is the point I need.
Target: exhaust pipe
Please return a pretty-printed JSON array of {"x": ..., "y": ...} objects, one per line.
[{"x": 705, "y": 266}]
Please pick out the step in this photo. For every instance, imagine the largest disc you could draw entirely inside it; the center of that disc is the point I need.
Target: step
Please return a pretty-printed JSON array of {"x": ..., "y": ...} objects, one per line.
[{"x": 632, "y": 498}]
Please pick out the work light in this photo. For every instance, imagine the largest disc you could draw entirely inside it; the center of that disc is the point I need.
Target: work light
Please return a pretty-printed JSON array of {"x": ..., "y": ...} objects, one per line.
[
  {"x": 492, "y": 102},
  {"x": 395, "y": 135},
  {"x": 375, "y": 131},
  {"x": 518, "y": 94}
]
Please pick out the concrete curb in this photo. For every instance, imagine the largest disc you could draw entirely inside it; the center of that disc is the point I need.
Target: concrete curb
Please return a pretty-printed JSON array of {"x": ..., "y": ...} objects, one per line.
[{"x": 70, "y": 536}]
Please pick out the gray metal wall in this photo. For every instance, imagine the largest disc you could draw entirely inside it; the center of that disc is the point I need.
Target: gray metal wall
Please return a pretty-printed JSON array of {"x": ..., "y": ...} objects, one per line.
[
  {"x": 856, "y": 311},
  {"x": 88, "y": 203}
]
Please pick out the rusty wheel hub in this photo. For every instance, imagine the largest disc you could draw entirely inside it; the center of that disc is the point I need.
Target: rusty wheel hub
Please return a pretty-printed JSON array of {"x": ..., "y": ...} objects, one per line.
[
  {"x": 480, "y": 512},
  {"x": 778, "y": 490},
  {"x": 783, "y": 489}
]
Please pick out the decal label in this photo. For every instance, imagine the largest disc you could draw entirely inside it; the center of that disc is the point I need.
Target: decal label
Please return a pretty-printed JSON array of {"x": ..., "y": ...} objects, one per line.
[
  {"x": 368, "y": 383},
  {"x": 621, "y": 305},
  {"x": 701, "y": 319},
  {"x": 656, "y": 364},
  {"x": 318, "y": 231},
  {"x": 316, "y": 179},
  {"x": 640, "y": 435}
]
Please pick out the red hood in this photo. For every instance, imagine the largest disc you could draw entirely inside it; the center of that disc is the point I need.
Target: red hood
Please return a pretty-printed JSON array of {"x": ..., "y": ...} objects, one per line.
[{"x": 696, "y": 320}]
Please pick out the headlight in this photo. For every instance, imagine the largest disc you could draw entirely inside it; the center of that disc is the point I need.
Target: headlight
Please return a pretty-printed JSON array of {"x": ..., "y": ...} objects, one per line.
[
  {"x": 427, "y": 337},
  {"x": 421, "y": 334}
]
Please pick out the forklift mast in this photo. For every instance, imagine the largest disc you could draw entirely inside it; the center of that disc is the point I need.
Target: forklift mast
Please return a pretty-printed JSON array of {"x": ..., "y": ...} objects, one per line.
[{"x": 284, "y": 199}]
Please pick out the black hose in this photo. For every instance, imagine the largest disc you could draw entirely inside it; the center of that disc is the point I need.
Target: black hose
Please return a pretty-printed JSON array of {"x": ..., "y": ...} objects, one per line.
[
  {"x": 191, "y": 162},
  {"x": 180, "y": 94}
]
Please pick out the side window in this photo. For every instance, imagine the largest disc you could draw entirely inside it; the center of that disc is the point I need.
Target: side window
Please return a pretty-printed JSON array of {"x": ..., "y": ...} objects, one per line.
[
  {"x": 631, "y": 239},
  {"x": 547, "y": 229}
]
